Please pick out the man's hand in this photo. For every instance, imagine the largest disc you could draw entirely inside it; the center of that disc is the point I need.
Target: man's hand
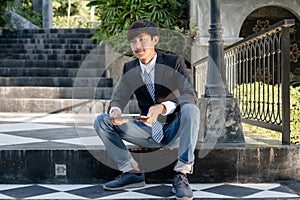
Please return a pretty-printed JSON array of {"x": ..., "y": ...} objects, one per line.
[
  {"x": 153, "y": 113},
  {"x": 116, "y": 113}
]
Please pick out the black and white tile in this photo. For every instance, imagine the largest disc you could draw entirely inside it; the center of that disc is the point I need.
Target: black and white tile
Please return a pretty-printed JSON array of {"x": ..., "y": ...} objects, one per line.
[{"x": 150, "y": 191}]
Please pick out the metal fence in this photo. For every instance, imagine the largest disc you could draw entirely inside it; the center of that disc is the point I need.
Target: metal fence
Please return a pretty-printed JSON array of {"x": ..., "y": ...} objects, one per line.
[{"x": 257, "y": 73}]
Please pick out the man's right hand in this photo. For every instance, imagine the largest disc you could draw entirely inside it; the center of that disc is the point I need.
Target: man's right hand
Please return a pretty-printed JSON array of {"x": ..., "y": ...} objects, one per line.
[{"x": 116, "y": 113}]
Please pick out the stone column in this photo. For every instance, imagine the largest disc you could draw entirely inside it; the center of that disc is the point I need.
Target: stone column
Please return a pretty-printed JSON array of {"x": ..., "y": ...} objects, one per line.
[
  {"x": 45, "y": 8},
  {"x": 47, "y": 13},
  {"x": 37, "y": 5},
  {"x": 221, "y": 118}
]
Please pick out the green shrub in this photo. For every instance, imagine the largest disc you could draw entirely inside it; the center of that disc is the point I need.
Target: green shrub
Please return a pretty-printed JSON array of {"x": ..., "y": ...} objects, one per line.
[
  {"x": 31, "y": 15},
  {"x": 116, "y": 16},
  {"x": 294, "y": 113}
]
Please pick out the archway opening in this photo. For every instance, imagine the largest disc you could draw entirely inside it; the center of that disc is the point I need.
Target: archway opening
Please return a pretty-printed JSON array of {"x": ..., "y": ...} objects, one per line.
[{"x": 267, "y": 16}]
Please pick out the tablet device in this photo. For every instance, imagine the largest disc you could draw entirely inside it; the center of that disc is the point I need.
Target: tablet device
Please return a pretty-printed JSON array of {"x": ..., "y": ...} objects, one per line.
[{"x": 129, "y": 116}]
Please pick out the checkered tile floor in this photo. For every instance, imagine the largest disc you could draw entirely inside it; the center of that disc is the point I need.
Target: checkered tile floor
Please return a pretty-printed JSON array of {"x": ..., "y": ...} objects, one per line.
[
  {"x": 201, "y": 191},
  {"x": 40, "y": 131}
]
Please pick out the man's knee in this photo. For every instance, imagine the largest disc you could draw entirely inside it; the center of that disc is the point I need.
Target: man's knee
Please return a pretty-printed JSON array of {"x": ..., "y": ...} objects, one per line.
[
  {"x": 190, "y": 110},
  {"x": 99, "y": 121}
]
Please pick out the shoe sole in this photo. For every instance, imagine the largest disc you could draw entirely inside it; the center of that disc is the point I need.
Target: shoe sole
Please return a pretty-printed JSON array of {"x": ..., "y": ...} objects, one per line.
[
  {"x": 181, "y": 198},
  {"x": 134, "y": 185}
]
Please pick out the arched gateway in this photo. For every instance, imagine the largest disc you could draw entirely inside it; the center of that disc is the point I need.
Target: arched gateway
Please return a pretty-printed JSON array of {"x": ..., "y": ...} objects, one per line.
[{"x": 238, "y": 18}]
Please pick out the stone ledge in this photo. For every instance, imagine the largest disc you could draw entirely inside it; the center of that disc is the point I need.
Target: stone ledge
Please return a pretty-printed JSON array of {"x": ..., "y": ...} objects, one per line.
[{"x": 241, "y": 165}]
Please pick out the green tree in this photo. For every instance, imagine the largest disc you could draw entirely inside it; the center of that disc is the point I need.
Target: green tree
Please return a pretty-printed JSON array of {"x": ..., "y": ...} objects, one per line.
[{"x": 117, "y": 15}]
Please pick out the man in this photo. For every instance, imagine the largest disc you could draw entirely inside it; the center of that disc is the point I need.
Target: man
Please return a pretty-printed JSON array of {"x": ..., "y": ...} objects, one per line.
[{"x": 167, "y": 101}]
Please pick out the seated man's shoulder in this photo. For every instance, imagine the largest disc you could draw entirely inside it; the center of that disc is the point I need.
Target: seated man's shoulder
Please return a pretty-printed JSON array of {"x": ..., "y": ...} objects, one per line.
[
  {"x": 130, "y": 65},
  {"x": 170, "y": 56}
]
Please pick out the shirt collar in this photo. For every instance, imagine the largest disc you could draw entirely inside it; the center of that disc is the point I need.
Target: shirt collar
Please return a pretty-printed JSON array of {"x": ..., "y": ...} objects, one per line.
[{"x": 150, "y": 66}]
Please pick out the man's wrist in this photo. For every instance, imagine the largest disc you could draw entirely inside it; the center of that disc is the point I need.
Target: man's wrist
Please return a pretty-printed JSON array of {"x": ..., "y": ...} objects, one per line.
[
  {"x": 169, "y": 106},
  {"x": 164, "y": 109},
  {"x": 115, "y": 108}
]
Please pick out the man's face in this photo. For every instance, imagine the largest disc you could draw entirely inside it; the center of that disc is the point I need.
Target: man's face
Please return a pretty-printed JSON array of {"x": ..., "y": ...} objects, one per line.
[{"x": 143, "y": 47}]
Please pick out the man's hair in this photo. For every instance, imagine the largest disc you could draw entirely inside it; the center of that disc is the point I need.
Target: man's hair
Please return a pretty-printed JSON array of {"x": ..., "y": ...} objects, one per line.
[{"x": 142, "y": 26}]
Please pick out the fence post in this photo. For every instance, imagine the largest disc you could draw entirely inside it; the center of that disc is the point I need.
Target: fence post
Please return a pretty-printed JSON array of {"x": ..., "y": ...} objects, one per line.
[{"x": 285, "y": 69}]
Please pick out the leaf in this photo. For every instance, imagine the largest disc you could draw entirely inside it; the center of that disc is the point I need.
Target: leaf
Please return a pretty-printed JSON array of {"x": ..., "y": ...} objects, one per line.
[{"x": 96, "y": 3}]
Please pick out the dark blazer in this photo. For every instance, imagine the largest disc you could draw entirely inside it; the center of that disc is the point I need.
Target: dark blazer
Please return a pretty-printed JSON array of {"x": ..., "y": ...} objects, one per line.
[{"x": 172, "y": 83}]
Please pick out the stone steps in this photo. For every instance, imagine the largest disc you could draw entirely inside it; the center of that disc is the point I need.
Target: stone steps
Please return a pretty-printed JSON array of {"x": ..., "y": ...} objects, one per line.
[
  {"x": 45, "y": 41},
  {"x": 222, "y": 164},
  {"x": 44, "y": 51},
  {"x": 22, "y": 32},
  {"x": 48, "y": 46},
  {"x": 51, "y": 105},
  {"x": 55, "y": 92},
  {"x": 59, "y": 105},
  {"x": 53, "y": 72},
  {"x": 15, "y": 63},
  {"x": 44, "y": 57},
  {"x": 40, "y": 70},
  {"x": 56, "y": 81}
]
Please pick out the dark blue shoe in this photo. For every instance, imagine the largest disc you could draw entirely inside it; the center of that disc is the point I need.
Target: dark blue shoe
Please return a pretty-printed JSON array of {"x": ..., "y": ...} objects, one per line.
[
  {"x": 126, "y": 181},
  {"x": 182, "y": 188}
]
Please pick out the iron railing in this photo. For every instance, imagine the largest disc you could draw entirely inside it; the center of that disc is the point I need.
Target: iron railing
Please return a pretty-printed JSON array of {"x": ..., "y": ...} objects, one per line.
[{"x": 257, "y": 73}]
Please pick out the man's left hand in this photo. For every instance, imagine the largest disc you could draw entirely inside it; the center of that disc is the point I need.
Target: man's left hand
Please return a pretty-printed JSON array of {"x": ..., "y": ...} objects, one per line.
[{"x": 153, "y": 113}]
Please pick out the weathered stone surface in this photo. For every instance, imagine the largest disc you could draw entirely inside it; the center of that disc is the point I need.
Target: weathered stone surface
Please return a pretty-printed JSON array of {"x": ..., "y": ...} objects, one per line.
[
  {"x": 222, "y": 164},
  {"x": 18, "y": 22},
  {"x": 220, "y": 121}
]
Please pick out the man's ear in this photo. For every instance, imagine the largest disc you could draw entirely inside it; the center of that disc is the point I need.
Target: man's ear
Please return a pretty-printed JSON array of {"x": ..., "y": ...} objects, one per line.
[{"x": 155, "y": 40}]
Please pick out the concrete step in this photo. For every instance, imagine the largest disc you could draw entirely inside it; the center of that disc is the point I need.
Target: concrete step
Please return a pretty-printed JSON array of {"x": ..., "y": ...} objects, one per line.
[
  {"x": 18, "y": 32},
  {"x": 55, "y": 92},
  {"x": 76, "y": 105},
  {"x": 48, "y": 46},
  {"x": 48, "y": 35},
  {"x": 47, "y": 51},
  {"x": 56, "y": 81},
  {"x": 47, "y": 57},
  {"x": 15, "y": 63},
  {"x": 42, "y": 105},
  {"x": 51, "y": 72},
  {"x": 46, "y": 41},
  {"x": 37, "y": 165}
]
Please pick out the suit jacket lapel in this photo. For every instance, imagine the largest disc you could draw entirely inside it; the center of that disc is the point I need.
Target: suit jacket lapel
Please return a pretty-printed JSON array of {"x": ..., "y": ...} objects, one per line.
[{"x": 159, "y": 74}]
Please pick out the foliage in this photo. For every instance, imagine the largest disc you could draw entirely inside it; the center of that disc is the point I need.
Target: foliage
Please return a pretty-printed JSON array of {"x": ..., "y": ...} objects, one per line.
[
  {"x": 72, "y": 22},
  {"x": 6, "y": 4},
  {"x": 116, "y": 16},
  {"x": 60, "y": 7},
  {"x": 294, "y": 111},
  {"x": 295, "y": 115},
  {"x": 80, "y": 14},
  {"x": 27, "y": 12},
  {"x": 295, "y": 80}
]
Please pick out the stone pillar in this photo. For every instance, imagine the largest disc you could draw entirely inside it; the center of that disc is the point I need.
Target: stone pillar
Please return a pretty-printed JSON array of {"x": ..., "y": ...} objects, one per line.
[
  {"x": 47, "y": 13},
  {"x": 37, "y": 5},
  {"x": 221, "y": 119},
  {"x": 45, "y": 8}
]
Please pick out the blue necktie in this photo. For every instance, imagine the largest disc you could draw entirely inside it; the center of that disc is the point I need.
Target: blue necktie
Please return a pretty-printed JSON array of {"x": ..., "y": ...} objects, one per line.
[{"x": 157, "y": 129}]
